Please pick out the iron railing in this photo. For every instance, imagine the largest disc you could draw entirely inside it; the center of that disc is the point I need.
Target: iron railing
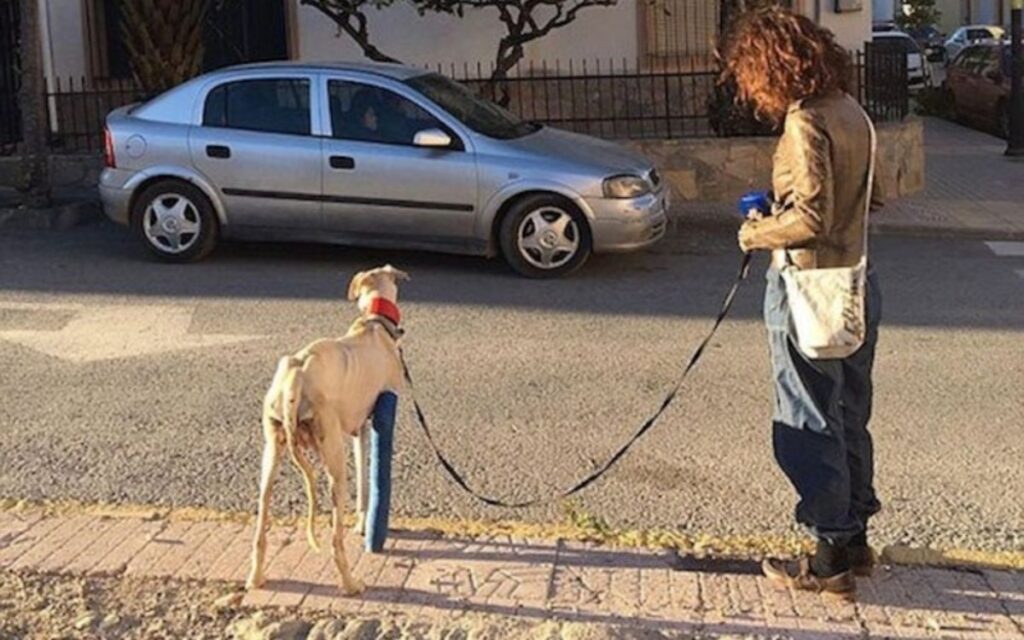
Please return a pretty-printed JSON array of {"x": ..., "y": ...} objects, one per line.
[
  {"x": 10, "y": 77},
  {"x": 609, "y": 99},
  {"x": 78, "y": 110}
]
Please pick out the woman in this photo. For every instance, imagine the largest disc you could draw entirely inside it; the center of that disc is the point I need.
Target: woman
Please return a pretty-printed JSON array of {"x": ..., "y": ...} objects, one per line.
[{"x": 793, "y": 72}]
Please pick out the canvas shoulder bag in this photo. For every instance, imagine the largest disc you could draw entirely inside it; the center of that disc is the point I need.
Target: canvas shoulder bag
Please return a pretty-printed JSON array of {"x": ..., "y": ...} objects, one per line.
[{"x": 827, "y": 305}]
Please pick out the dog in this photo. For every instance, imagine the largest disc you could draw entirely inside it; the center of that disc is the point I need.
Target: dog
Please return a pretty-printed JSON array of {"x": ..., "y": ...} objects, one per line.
[{"x": 319, "y": 399}]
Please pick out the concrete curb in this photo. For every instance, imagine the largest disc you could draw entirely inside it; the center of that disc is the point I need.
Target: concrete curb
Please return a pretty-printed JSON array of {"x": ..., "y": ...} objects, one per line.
[
  {"x": 60, "y": 217},
  {"x": 436, "y": 579},
  {"x": 736, "y": 546}
]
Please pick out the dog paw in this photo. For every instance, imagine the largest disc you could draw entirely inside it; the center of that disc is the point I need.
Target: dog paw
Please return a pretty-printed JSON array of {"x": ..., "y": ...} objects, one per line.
[
  {"x": 255, "y": 582},
  {"x": 353, "y": 587}
]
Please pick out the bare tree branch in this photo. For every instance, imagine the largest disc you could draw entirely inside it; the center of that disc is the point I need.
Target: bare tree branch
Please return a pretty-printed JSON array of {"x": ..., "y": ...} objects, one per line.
[{"x": 350, "y": 17}]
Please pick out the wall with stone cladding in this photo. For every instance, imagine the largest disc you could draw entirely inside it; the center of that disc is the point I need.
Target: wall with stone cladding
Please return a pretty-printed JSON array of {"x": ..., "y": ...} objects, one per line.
[
  {"x": 698, "y": 169},
  {"x": 721, "y": 169}
]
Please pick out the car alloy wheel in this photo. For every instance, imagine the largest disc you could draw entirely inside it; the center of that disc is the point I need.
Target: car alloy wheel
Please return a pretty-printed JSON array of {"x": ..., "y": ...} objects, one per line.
[
  {"x": 171, "y": 223},
  {"x": 548, "y": 238}
]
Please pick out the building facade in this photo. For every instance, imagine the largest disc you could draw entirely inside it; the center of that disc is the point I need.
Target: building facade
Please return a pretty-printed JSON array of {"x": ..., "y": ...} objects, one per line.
[{"x": 81, "y": 38}]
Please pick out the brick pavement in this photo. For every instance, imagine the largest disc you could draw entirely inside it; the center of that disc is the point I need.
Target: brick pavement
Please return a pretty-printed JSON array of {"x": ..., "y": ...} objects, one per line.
[
  {"x": 425, "y": 576},
  {"x": 971, "y": 190},
  {"x": 970, "y": 187}
]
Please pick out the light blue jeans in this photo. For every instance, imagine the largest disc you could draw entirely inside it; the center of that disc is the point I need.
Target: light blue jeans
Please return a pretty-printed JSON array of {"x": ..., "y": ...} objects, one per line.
[{"x": 820, "y": 423}]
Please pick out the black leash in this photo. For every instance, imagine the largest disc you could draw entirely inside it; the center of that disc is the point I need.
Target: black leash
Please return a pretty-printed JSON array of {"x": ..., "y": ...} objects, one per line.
[{"x": 587, "y": 481}]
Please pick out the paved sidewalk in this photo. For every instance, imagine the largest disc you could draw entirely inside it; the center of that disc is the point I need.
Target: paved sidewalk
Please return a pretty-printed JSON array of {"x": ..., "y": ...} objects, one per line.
[
  {"x": 424, "y": 576},
  {"x": 971, "y": 190}
]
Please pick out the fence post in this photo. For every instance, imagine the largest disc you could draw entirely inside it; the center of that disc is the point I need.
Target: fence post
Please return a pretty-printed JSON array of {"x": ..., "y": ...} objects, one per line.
[{"x": 33, "y": 113}]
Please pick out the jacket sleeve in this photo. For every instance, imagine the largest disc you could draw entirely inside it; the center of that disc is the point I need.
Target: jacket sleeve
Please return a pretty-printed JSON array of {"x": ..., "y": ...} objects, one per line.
[{"x": 804, "y": 213}]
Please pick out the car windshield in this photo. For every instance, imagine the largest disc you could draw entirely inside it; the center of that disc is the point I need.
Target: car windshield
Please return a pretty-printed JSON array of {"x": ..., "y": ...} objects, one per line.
[{"x": 478, "y": 114}]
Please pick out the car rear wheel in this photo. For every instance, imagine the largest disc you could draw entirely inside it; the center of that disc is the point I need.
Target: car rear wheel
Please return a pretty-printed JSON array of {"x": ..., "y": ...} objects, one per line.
[
  {"x": 175, "y": 221},
  {"x": 545, "y": 236}
]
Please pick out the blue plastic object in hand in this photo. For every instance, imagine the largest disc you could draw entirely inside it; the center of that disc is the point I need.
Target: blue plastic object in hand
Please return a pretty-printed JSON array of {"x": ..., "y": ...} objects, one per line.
[{"x": 755, "y": 202}]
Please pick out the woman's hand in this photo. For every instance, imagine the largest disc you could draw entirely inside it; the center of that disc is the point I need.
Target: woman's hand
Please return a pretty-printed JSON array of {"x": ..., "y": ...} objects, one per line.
[{"x": 746, "y": 235}]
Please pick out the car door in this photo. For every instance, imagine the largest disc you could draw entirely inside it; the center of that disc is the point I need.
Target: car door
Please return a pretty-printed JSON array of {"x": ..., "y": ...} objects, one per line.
[
  {"x": 255, "y": 145},
  {"x": 379, "y": 186},
  {"x": 982, "y": 60},
  {"x": 989, "y": 90}
]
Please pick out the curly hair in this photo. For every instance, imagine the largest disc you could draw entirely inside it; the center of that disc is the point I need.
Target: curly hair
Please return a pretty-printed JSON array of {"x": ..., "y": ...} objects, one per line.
[{"x": 777, "y": 57}]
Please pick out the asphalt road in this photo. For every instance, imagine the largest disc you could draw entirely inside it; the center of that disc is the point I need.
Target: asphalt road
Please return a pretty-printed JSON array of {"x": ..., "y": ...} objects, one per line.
[{"x": 529, "y": 384}]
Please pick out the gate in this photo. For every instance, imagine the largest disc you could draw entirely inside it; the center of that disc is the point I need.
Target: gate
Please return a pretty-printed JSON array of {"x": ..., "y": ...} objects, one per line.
[{"x": 10, "y": 77}]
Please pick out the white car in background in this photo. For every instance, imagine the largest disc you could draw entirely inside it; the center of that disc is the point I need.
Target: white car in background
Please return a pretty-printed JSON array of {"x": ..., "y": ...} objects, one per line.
[
  {"x": 918, "y": 69},
  {"x": 972, "y": 34}
]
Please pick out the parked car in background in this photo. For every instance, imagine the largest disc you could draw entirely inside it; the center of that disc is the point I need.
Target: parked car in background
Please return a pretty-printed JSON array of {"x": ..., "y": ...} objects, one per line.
[
  {"x": 978, "y": 81},
  {"x": 372, "y": 155},
  {"x": 972, "y": 34},
  {"x": 918, "y": 71},
  {"x": 931, "y": 41}
]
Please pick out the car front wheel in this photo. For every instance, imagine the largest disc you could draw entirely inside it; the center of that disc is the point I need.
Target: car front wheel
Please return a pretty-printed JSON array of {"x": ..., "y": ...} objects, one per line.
[
  {"x": 175, "y": 221},
  {"x": 545, "y": 236}
]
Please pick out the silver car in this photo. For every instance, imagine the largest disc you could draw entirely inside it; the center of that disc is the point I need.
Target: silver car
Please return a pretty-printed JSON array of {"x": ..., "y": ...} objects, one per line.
[{"x": 372, "y": 155}]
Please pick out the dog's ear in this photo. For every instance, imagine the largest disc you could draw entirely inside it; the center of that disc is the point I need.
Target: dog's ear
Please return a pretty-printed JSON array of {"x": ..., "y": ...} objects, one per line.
[
  {"x": 353, "y": 286},
  {"x": 397, "y": 274}
]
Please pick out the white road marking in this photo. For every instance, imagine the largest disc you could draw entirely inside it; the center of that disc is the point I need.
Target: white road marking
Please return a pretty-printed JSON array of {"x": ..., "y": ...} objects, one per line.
[
  {"x": 1007, "y": 249},
  {"x": 119, "y": 331}
]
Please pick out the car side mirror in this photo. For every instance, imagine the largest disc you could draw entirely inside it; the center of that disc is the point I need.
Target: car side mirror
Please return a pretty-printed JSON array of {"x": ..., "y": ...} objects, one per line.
[
  {"x": 995, "y": 76},
  {"x": 433, "y": 138}
]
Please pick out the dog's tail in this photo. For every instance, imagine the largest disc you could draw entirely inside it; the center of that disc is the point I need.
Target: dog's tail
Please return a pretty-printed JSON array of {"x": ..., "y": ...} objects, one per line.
[{"x": 292, "y": 395}]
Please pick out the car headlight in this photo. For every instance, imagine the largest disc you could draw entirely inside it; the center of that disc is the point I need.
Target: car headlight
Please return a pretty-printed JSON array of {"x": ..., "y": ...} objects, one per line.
[{"x": 626, "y": 187}]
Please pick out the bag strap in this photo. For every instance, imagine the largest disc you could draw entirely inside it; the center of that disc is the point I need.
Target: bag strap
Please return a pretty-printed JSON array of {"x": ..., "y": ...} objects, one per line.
[{"x": 873, "y": 137}]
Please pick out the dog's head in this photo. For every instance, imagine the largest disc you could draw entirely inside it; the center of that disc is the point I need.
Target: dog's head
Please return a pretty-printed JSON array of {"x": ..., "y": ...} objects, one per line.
[{"x": 381, "y": 282}]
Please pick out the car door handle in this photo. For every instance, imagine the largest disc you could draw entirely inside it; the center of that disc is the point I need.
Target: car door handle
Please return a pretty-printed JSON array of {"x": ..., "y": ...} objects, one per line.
[
  {"x": 218, "y": 151},
  {"x": 342, "y": 162}
]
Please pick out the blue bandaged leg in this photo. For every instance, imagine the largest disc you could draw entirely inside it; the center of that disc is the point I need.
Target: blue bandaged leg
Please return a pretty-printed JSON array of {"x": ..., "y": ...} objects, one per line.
[{"x": 382, "y": 443}]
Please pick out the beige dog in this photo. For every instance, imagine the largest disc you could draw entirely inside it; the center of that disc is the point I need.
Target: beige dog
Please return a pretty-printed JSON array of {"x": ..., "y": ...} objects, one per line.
[{"x": 319, "y": 399}]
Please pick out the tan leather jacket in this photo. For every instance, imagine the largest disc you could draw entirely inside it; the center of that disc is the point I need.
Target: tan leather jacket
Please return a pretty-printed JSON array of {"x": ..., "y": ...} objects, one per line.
[{"x": 819, "y": 177}]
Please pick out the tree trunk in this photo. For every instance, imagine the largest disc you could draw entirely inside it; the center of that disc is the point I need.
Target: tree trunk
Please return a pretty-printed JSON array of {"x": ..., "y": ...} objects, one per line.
[
  {"x": 164, "y": 39},
  {"x": 33, "y": 109}
]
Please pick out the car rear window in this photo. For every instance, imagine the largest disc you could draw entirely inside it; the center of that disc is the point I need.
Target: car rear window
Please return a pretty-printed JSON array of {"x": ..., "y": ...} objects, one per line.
[
  {"x": 979, "y": 34},
  {"x": 272, "y": 105}
]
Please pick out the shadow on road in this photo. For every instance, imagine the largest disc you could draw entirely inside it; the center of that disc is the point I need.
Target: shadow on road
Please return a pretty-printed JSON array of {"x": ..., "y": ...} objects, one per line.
[{"x": 926, "y": 282}]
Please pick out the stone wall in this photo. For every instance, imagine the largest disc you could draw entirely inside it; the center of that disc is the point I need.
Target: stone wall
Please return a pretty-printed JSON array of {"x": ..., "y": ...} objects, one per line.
[
  {"x": 698, "y": 169},
  {"x": 721, "y": 169},
  {"x": 67, "y": 172}
]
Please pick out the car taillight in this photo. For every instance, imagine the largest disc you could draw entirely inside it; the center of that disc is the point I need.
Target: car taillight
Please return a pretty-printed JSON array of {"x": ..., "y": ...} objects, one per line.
[{"x": 108, "y": 149}]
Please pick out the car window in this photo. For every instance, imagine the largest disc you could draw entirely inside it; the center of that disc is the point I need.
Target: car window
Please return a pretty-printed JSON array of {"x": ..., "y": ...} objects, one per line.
[
  {"x": 272, "y": 105},
  {"x": 968, "y": 60},
  {"x": 979, "y": 34},
  {"x": 477, "y": 113},
  {"x": 988, "y": 62},
  {"x": 372, "y": 114}
]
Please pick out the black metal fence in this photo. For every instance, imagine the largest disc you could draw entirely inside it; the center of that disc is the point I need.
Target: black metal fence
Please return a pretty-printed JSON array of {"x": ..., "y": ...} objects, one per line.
[
  {"x": 605, "y": 98},
  {"x": 78, "y": 109},
  {"x": 881, "y": 82},
  {"x": 10, "y": 77}
]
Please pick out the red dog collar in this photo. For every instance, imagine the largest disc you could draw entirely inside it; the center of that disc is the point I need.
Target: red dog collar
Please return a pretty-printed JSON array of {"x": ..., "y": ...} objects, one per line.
[{"x": 386, "y": 309}]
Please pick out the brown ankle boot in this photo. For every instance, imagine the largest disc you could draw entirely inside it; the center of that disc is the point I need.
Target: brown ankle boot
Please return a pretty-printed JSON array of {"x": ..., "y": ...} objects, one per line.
[
  {"x": 862, "y": 560},
  {"x": 800, "y": 577}
]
